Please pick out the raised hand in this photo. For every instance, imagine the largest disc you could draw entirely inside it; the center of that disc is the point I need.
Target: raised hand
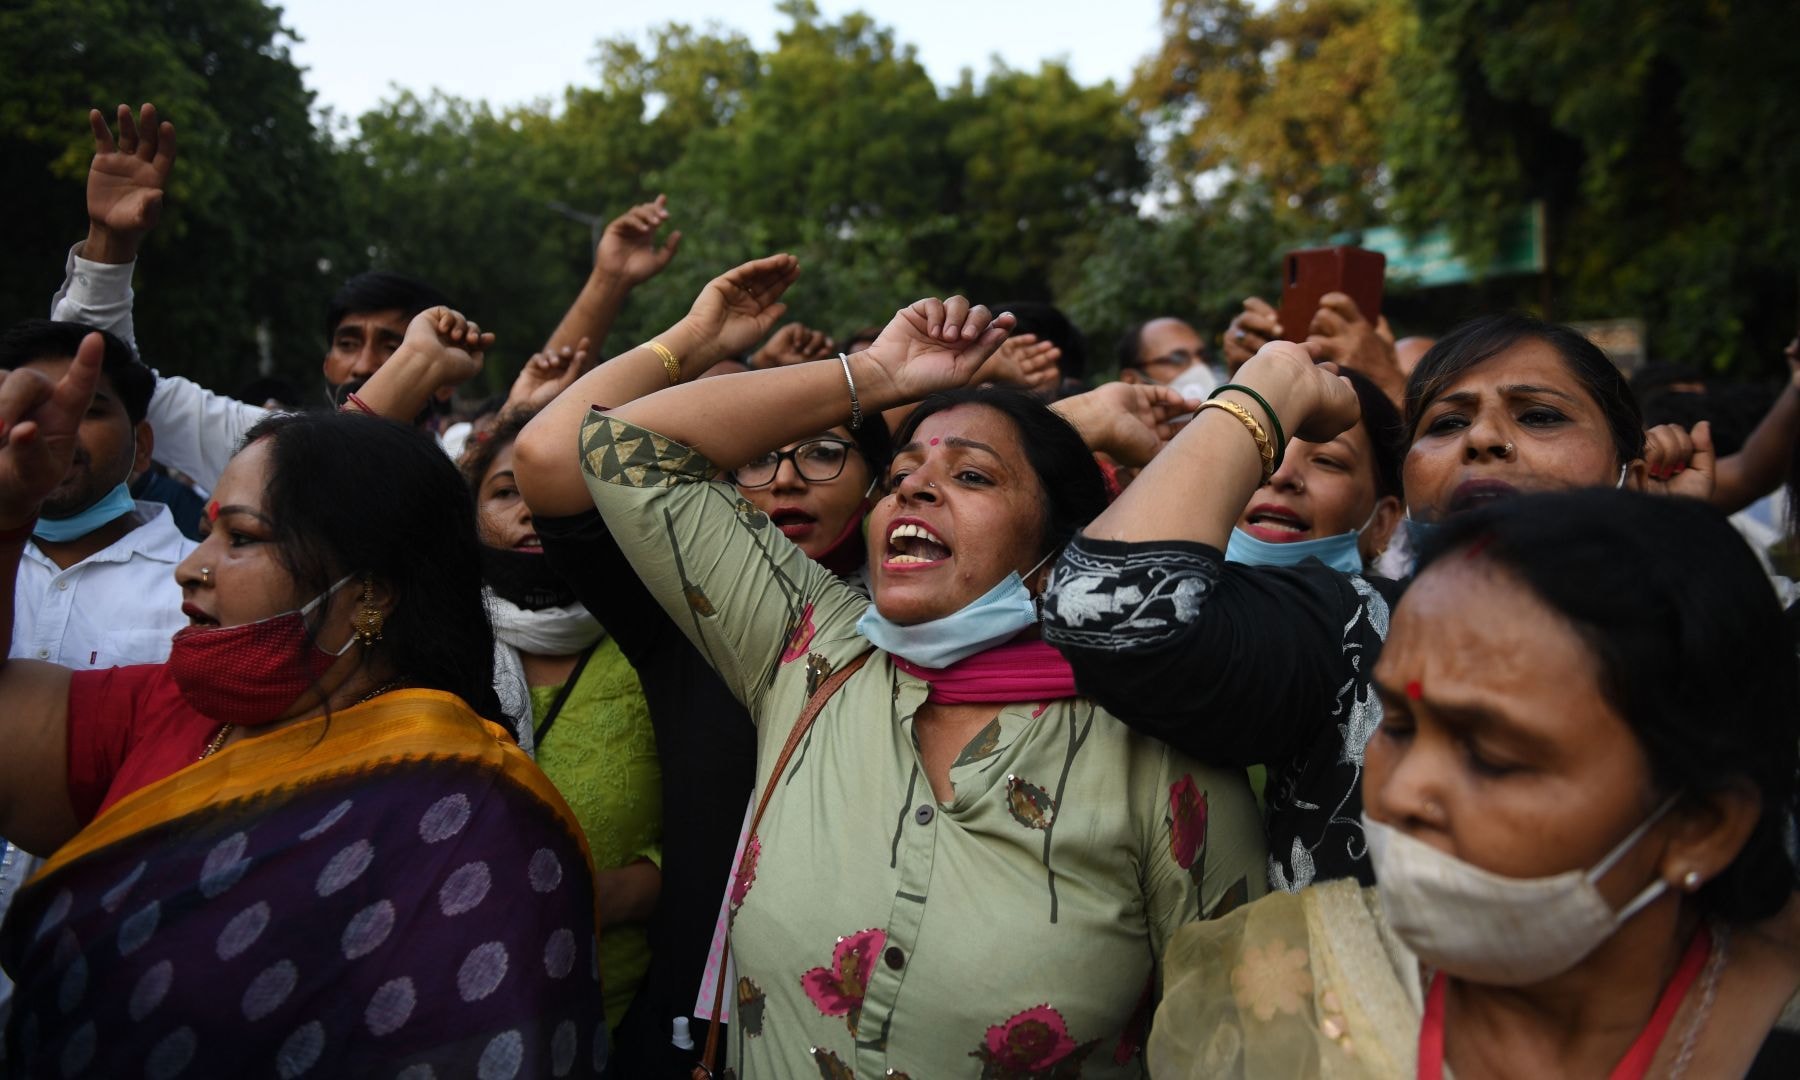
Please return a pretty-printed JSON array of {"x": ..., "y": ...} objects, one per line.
[
  {"x": 1315, "y": 402},
  {"x": 456, "y": 345},
  {"x": 546, "y": 375},
  {"x": 794, "y": 344},
  {"x": 628, "y": 248},
  {"x": 39, "y": 420},
  {"x": 1128, "y": 422},
  {"x": 1250, "y": 330},
  {"x": 1025, "y": 362},
  {"x": 737, "y": 308},
  {"x": 937, "y": 345},
  {"x": 1347, "y": 338},
  {"x": 127, "y": 179},
  {"x": 1679, "y": 462}
]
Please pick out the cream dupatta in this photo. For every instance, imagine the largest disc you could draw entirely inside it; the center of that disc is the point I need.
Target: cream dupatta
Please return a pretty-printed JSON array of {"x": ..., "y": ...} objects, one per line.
[{"x": 1294, "y": 985}]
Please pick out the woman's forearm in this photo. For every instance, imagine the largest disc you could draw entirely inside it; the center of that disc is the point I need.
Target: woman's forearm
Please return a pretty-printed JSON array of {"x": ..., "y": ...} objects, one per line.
[
  {"x": 1759, "y": 467},
  {"x": 549, "y": 472},
  {"x": 733, "y": 418}
]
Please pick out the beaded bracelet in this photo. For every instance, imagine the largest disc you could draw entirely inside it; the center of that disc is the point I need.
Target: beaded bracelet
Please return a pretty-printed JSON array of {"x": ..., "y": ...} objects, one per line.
[
  {"x": 1264, "y": 448},
  {"x": 670, "y": 363},
  {"x": 1274, "y": 421}
]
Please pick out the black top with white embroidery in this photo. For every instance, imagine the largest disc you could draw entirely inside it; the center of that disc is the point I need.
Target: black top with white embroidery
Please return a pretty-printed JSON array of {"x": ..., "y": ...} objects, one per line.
[{"x": 1237, "y": 665}]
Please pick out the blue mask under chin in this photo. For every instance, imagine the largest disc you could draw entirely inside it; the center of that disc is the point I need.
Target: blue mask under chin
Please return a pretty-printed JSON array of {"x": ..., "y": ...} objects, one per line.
[{"x": 1339, "y": 552}]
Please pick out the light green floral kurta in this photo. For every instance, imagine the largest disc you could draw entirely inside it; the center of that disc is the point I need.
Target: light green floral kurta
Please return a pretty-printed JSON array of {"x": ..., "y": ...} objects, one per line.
[{"x": 1010, "y": 933}]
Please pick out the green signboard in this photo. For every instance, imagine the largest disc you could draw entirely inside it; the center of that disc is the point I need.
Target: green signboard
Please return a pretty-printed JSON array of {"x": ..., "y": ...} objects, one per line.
[{"x": 1432, "y": 259}]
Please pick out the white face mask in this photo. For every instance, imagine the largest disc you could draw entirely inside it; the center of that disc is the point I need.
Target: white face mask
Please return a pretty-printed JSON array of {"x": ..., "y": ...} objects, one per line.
[{"x": 1495, "y": 930}]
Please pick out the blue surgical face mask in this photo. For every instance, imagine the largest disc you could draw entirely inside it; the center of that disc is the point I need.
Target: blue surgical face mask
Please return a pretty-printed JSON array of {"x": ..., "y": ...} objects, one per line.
[
  {"x": 1340, "y": 552},
  {"x": 991, "y": 619},
  {"x": 113, "y": 504}
]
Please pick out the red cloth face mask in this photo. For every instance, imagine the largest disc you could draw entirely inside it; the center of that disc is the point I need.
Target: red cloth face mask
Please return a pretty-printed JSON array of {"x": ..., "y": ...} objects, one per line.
[{"x": 249, "y": 675}]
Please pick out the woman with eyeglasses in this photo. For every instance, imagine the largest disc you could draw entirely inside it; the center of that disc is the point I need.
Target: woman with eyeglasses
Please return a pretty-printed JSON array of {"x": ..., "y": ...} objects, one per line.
[{"x": 815, "y": 491}]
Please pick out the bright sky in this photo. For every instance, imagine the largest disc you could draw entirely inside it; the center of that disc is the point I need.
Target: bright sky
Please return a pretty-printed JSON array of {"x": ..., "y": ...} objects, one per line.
[{"x": 518, "y": 51}]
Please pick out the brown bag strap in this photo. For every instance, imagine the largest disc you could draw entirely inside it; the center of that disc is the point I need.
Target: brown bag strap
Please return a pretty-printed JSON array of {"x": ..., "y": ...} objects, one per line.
[{"x": 709, "y": 1057}]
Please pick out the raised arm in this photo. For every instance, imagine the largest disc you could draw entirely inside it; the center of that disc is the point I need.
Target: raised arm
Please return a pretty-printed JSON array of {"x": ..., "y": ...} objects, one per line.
[
  {"x": 197, "y": 430},
  {"x": 1167, "y": 503},
  {"x": 731, "y": 313},
  {"x": 932, "y": 345},
  {"x": 38, "y": 424},
  {"x": 1761, "y": 464},
  {"x": 628, "y": 256},
  {"x": 441, "y": 349}
]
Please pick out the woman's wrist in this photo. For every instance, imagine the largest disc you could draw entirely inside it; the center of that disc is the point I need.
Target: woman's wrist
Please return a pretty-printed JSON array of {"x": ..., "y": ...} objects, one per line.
[{"x": 1282, "y": 387}]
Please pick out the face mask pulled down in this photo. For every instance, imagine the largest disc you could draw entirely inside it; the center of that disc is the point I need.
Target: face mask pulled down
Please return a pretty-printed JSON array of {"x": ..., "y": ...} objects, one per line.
[
  {"x": 250, "y": 674},
  {"x": 1491, "y": 929},
  {"x": 991, "y": 619}
]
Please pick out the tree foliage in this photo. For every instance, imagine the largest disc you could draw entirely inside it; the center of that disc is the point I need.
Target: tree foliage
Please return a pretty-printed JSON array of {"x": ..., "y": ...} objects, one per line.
[
  {"x": 1662, "y": 135},
  {"x": 254, "y": 213}
]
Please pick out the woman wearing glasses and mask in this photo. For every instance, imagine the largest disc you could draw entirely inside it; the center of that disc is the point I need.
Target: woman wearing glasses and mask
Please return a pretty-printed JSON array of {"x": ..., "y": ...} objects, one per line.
[{"x": 815, "y": 491}]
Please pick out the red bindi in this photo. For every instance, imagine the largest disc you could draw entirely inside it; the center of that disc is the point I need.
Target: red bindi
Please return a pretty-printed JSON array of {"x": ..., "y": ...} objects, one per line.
[
  {"x": 212, "y": 510},
  {"x": 934, "y": 442},
  {"x": 1414, "y": 690}
]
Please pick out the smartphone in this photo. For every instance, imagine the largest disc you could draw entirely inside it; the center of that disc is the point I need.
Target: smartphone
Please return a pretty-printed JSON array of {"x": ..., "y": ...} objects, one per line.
[{"x": 1308, "y": 275}]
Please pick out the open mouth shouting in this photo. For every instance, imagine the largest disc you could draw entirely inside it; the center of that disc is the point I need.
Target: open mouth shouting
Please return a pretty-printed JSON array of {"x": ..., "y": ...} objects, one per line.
[
  {"x": 912, "y": 545},
  {"x": 530, "y": 543},
  {"x": 1276, "y": 524}
]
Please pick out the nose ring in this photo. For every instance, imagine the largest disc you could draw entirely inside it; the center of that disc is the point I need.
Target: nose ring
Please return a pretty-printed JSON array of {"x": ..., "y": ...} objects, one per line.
[
  {"x": 1506, "y": 451},
  {"x": 206, "y": 576},
  {"x": 931, "y": 483}
]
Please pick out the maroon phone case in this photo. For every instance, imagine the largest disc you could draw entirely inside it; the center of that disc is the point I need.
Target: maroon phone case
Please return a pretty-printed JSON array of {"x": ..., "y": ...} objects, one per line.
[{"x": 1306, "y": 276}]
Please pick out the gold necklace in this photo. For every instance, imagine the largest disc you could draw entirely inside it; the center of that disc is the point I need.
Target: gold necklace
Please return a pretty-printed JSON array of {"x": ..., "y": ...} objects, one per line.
[
  {"x": 224, "y": 732},
  {"x": 217, "y": 741}
]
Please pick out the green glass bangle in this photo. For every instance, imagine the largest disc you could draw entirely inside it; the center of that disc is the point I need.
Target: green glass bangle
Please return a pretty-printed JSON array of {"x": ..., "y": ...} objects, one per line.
[{"x": 1274, "y": 421}]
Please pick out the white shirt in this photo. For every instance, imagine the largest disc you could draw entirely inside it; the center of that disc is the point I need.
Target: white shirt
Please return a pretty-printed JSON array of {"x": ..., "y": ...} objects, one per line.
[
  {"x": 197, "y": 430},
  {"x": 118, "y": 606},
  {"x": 15, "y": 867}
]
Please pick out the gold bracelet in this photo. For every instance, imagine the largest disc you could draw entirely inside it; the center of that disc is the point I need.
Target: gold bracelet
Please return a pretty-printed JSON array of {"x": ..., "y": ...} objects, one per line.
[
  {"x": 1264, "y": 448},
  {"x": 670, "y": 364}
]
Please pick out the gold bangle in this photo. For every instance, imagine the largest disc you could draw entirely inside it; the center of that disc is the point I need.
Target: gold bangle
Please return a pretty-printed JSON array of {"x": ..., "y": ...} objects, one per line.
[
  {"x": 670, "y": 363},
  {"x": 1264, "y": 448}
]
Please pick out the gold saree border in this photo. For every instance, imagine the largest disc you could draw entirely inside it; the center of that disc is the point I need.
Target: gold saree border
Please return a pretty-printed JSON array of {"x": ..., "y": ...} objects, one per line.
[{"x": 397, "y": 727}]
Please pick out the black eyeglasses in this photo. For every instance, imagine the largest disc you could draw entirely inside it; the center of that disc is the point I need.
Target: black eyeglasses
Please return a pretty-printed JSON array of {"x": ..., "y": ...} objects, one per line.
[{"x": 817, "y": 461}]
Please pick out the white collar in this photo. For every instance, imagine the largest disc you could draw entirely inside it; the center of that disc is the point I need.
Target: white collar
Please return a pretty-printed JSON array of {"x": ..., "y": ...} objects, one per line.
[{"x": 155, "y": 538}]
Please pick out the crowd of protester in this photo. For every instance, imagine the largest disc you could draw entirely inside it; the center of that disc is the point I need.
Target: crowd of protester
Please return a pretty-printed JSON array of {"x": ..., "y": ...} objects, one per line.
[{"x": 1303, "y": 702}]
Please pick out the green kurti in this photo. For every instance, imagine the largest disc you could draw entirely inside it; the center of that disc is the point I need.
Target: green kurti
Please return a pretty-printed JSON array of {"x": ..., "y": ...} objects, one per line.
[
  {"x": 601, "y": 755},
  {"x": 1012, "y": 932}
]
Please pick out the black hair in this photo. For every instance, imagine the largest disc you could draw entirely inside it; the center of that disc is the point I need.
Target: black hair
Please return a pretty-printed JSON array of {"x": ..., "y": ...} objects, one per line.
[
  {"x": 1479, "y": 340},
  {"x": 485, "y": 446},
  {"x": 380, "y": 290},
  {"x": 41, "y": 339},
  {"x": 876, "y": 444},
  {"x": 1074, "y": 489},
  {"x": 1691, "y": 645},
  {"x": 360, "y": 495},
  {"x": 1387, "y": 434},
  {"x": 1049, "y": 323}
]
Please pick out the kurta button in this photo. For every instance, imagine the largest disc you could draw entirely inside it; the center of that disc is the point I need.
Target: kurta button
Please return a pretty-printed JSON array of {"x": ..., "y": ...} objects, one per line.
[
  {"x": 62, "y": 584},
  {"x": 924, "y": 814},
  {"x": 894, "y": 957}
]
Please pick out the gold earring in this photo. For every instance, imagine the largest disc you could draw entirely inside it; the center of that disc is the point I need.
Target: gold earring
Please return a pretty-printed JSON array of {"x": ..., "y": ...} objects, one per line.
[{"x": 368, "y": 618}]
